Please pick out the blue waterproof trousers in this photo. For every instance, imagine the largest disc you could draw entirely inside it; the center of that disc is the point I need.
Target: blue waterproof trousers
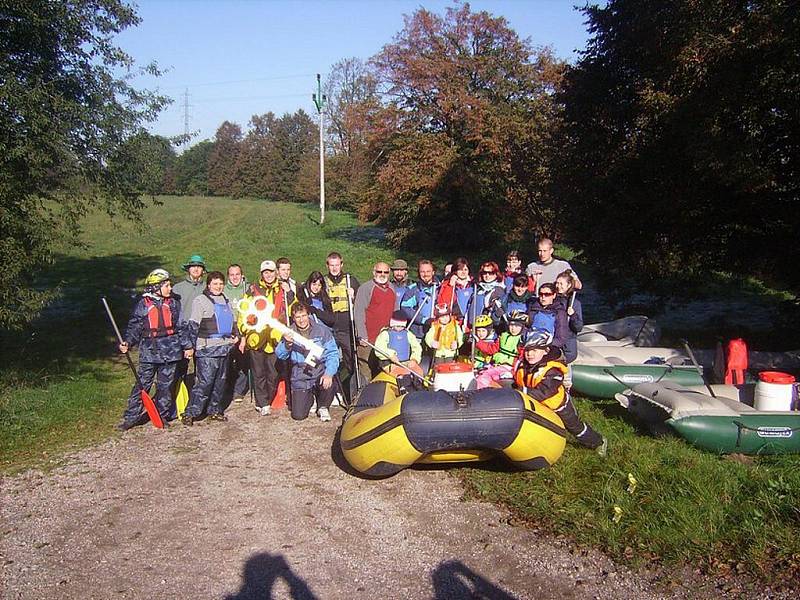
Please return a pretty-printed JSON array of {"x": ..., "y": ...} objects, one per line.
[
  {"x": 209, "y": 386},
  {"x": 164, "y": 375}
]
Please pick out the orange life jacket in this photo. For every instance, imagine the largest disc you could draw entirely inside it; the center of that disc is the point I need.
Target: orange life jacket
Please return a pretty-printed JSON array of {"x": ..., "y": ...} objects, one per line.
[
  {"x": 530, "y": 379},
  {"x": 737, "y": 362},
  {"x": 159, "y": 318}
]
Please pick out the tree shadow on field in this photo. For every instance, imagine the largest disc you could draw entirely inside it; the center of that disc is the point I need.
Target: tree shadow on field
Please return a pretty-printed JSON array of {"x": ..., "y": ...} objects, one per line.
[
  {"x": 262, "y": 571},
  {"x": 453, "y": 580},
  {"x": 362, "y": 234},
  {"x": 73, "y": 328}
]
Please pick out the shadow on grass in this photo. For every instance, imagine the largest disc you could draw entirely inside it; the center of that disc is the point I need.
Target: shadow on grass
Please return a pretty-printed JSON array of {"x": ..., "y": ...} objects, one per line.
[{"x": 73, "y": 329}]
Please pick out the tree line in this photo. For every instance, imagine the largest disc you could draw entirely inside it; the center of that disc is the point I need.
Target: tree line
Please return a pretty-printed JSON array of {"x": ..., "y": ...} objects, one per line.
[{"x": 669, "y": 147}]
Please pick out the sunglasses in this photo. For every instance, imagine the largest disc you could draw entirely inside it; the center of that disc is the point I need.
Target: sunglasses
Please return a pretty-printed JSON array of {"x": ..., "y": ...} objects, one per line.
[
  {"x": 487, "y": 272},
  {"x": 546, "y": 294},
  {"x": 381, "y": 272}
]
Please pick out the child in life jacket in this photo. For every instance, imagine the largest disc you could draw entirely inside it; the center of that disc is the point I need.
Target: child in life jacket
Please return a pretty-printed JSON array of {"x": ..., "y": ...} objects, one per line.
[
  {"x": 504, "y": 350},
  {"x": 396, "y": 343},
  {"x": 517, "y": 299},
  {"x": 155, "y": 327},
  {"x": 539, "y": 373},
  {"x": 484, "y": 332},
  {"x": 445, "y": 335}
]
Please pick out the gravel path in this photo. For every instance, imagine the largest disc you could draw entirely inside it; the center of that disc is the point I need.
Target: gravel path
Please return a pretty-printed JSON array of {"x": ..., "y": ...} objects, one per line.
[{"x": 256, "y": 508}]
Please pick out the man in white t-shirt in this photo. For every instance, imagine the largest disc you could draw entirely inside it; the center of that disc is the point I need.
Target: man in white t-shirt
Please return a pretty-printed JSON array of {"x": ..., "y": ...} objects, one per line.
[{"x": 547, "y": 268}]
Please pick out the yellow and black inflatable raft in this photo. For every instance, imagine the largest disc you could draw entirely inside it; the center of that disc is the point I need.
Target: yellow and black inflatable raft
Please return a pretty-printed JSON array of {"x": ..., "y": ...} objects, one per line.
[{"x": 385, "y": 432}]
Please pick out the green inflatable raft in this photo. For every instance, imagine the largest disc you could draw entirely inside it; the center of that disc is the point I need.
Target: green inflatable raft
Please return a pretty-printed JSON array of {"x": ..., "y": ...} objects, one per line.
[
  {"x": 602, "y": 371},
  {"x": 725, "y": 424}
]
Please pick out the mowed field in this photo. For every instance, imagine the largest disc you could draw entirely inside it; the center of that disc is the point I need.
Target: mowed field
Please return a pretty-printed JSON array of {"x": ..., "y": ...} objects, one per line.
[{"x": 651, "y": 501}]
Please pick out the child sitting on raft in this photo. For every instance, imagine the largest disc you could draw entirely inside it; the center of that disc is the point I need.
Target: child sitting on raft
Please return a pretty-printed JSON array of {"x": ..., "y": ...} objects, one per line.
[
  {"x": 504, "y": 350},
  {"x": 484, "y": 332},
  {"x": 397, "y": 343},
  {"x": 445, "y": 336}
]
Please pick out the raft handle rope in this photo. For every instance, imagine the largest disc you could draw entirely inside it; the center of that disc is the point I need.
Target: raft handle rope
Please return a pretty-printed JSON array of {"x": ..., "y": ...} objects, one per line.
[
  {"x": 742, "y": 427},
  {"x": 664, "y": 374}
]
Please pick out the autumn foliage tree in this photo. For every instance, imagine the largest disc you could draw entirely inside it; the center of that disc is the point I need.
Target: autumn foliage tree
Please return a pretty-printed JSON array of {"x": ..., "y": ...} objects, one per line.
[{"x": 459, "y": 141}]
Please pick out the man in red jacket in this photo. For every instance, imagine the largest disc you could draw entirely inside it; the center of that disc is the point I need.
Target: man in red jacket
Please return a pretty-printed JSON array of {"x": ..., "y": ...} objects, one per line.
[{"x": 376, "y": 300}]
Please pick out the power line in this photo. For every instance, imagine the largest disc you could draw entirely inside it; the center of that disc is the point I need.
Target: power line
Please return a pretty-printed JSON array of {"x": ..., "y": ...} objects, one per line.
[{"x": 208, "y": 83}]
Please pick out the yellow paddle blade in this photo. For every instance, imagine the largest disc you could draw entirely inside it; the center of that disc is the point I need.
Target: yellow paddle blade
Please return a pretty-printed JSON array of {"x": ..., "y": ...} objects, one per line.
[{"x": 182, "y": 400}]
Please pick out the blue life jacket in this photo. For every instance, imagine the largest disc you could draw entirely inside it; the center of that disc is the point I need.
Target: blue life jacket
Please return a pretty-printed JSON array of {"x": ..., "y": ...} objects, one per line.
[
  {"x": 514, "y": 305},
  {"x": 464, "y": 297},
  {"x": 398, "y": 341},
  {"x": 544, "y": 321},
  {"x": 220, "y": 325}
]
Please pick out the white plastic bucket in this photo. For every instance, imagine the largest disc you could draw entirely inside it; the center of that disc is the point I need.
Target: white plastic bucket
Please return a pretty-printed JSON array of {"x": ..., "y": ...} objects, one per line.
[
  {"x": 453, "y": 377},
  {"x": 774, "y": 396}
]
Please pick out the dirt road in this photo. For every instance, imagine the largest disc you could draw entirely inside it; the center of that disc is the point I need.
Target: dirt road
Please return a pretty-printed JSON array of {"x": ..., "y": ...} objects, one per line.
[{"x": 257, "y": 508}]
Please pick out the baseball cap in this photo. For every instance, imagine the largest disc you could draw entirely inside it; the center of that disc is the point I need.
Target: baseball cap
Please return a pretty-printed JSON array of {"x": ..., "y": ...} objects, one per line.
[{"x": 268, "y": 265}]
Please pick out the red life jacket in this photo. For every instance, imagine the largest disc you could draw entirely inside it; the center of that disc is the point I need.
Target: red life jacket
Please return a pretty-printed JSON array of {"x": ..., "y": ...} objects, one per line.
[
  {"x": 159, "y": 318},
  {"x": 737, "y": 362}
]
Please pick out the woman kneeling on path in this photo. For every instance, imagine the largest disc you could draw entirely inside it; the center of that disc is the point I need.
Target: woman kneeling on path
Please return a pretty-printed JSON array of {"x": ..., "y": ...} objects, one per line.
[
  {"x": 310, "y": 381},
  {"x": 211, "y": 329},
  {"x": 540, "y": 374}
]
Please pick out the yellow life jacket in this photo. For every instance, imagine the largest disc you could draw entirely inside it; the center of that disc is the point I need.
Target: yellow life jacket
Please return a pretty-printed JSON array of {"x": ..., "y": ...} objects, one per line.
[
  {"x": 531, "y": 380},
  {"x": 337, "y": 292},
  {"x": 446, "y": 334}
]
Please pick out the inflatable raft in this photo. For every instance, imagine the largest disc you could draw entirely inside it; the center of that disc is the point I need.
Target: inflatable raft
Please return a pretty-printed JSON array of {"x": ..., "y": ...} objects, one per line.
[
  {"x": 731, "y": 422},
  {"x": 386, "y": 431},
  {"x": 602, "y": 371},
  {"x": 629, "y": 331}
]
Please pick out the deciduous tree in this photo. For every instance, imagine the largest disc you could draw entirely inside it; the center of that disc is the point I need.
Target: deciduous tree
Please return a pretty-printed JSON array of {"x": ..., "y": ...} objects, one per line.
[{"x": 65, "y": 112}]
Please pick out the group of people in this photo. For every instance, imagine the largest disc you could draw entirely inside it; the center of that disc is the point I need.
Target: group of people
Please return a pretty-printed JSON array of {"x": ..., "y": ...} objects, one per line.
[{"x": 330, "y": 334}]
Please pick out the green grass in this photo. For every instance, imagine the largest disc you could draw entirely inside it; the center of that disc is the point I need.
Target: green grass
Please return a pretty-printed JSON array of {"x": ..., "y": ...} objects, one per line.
[
  {"x": 686, "y": 507},
  {"x": 64, "y": 387}
]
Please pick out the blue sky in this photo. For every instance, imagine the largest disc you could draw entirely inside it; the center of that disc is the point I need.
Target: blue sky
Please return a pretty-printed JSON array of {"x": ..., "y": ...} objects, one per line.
[{"x": 238, "y": 58}]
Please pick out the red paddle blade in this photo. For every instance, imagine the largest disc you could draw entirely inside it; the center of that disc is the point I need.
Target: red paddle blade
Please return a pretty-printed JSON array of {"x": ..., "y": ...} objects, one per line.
[{"x": 152, "y": 411}]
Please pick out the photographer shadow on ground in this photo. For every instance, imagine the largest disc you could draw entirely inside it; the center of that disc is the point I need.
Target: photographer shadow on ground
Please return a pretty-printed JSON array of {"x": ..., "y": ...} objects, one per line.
[
  {"x": 262, "y": 571},
  {"x": 453, "y": 580}
]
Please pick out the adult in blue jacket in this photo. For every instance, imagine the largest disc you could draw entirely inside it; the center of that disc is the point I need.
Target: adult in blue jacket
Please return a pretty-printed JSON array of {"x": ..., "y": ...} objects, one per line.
[{"x": 310, "y": 381}]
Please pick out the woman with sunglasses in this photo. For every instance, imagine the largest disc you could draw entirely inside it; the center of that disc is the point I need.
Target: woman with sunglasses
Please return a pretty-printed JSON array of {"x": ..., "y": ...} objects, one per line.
[
  {"x": 491, "y": 290},
  {"x": 549, "y": 314},
  {"x": 457, "y": 291},
  {"x": 565, "y": 286},
  {"x": 314, "y": 294}
]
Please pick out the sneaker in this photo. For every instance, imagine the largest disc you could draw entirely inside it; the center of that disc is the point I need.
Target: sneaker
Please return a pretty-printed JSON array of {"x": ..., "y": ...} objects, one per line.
[
  {"x": 217, "y": 417},
  {"x": 324, "y": 414},
  {"x": 125, "y": 425},
  {"x": 187, "y": 420},
  {"x": 265, "y": 410},
  {"x": 602, "y": 449}
]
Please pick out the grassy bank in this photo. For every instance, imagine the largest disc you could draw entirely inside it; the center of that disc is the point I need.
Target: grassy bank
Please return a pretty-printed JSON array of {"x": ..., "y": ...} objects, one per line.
[{"x": 64, "y": 387}]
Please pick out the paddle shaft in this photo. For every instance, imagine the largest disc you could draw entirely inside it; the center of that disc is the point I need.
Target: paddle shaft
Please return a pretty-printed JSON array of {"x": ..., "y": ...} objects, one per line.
[
  {"x": 416, "y": 314},
  {"x": 398, "y": 364},
  {"x": 697, "y": 366},
  {"x": 353, "y": 338},
  {"x": 121, "y": 341}
]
